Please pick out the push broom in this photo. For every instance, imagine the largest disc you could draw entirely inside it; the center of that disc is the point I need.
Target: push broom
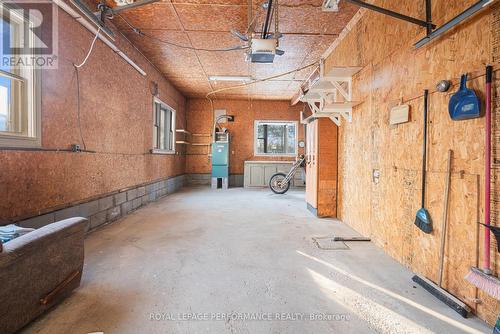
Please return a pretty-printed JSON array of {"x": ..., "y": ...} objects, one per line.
[
  {"x": 437, "y": 289},
  {"x": 483, "y": 279}
]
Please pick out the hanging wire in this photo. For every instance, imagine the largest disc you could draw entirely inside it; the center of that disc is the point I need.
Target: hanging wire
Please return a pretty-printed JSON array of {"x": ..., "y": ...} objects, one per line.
[
  {"x": 208, "y": 96},
  {"x": 78, "y": 108},
  {"x": 262, "y": 80},
  {"x": 141, "y": 33},
  {"x": 78, "y": 86},
  {"x": 90, "y": 50}
]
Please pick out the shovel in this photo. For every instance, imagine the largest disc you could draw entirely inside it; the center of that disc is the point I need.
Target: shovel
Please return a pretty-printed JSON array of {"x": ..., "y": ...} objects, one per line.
[
  {"x": 464, "y": 104},
  {"x": 423, "y": 218}
]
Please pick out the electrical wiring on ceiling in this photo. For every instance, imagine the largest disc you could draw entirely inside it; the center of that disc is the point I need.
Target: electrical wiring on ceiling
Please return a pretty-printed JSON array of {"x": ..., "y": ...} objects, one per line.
[
  {"x": 261, "y": 80},
  {"x": 254, "y": 82},
  {"x": 141, "y": 33}
]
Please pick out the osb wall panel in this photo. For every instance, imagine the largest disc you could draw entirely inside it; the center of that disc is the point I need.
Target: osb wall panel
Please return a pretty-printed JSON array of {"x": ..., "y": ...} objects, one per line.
[
  {"x": 393, "y": 72},
  {"x": 327, "y": 171},
  {"x": 116, "y": 124},
  {"x": 246, "y": 112}
]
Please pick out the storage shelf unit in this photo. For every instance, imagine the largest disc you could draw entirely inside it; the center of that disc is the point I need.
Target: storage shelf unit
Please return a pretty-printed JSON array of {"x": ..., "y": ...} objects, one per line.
[
  {"x": 190, "y": 135},
  {"x": 199, "y": 143},
  {"x": 330, "y": 95}
]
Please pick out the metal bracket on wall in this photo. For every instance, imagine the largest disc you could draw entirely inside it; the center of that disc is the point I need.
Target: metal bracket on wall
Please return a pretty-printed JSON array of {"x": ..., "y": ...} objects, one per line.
[
  {"x": 426, "y": 24},
  {"x": 453, "y": 22},
  {"x": 432, "y": 31},
  {"x": 88, "y": 13}
]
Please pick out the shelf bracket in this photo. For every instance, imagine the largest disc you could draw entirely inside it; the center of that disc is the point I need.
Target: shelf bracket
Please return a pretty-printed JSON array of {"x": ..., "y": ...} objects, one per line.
[
  {"x": 347, "y": 94},
  {"x": 336, "y": 120}
]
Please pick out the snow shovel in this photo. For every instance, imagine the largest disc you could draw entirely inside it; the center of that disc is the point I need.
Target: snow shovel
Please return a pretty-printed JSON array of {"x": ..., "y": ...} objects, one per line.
[
  {"x": 423, "y": 218},
  {"x": 464, "y": 104}
]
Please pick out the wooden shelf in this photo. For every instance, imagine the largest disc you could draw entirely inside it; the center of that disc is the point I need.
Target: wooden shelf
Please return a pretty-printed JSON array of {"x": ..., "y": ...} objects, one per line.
[
  {"x": 342, "y": 72},
  {"x": 339, "y": 106},
  {"x": 183, "y": 131},
  {"x": 322, "y": 85},
  {"x": 182, "y": 142},
  {"x": 331, "y": 95}
]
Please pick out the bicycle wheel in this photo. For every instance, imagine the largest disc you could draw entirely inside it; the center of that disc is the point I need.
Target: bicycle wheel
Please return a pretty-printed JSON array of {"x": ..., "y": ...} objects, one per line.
[{"x": 277, "y": 185}]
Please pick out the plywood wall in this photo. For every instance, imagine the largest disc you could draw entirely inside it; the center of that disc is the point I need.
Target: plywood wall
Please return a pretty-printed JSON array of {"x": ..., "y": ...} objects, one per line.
[
  {"x": 116, "y": 123},
  {"x": 393, "y": 71},
  {"x": 200, "y": 120},
  {"x": 327, "y": 156}
]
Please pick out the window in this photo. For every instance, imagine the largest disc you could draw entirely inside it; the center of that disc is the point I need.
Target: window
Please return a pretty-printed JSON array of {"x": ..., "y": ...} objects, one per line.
[
  {"x": 275, "y": 138},
  {"x": 19, "y": 88},
  {"x": 164, "y": 128}
]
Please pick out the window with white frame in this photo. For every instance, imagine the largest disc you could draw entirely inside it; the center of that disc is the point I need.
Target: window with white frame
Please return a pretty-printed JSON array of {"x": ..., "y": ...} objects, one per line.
[
  {"x": 163, "y": 128},
  {"x": 19, "y": 88},
  {"x": 278, "y": 138}
]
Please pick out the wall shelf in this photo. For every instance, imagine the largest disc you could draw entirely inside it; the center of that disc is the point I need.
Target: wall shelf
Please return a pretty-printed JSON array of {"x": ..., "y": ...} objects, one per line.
[
  {"x": 183, "y": 142},
  {"x": 330, "y": 95}
]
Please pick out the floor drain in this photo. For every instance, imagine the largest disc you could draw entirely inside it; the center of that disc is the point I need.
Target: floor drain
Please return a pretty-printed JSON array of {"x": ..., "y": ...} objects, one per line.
[{"x": 328, "y": 243}]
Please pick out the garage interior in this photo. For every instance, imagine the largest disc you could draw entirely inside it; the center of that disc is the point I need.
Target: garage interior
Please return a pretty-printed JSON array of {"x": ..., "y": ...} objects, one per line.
[{"x": 135, "y": 173}]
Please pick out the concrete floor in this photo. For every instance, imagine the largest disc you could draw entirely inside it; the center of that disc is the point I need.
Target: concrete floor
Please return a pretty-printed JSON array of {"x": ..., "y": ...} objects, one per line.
[{"x": 219, "y": 256}]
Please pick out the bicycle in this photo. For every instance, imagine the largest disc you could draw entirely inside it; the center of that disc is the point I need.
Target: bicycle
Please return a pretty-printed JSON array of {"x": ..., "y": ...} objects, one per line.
[{"x": 280, "y": 182}]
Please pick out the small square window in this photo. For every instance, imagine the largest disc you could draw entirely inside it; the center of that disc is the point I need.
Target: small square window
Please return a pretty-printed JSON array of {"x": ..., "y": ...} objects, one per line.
[
  {"x": 276, "y": 138},
  {"x": 163, "y": 128}
]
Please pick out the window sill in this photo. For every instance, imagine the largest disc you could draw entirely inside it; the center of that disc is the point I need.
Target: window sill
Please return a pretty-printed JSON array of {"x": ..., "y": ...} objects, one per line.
[
  {"x": 275, "y": 155},
  {"x": 19, "y": 141},
  {"x": 164, "y": 152}
]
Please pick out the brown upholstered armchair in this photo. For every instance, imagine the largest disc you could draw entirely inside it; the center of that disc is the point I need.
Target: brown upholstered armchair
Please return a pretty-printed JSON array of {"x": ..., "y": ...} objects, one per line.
[{"x": 39, "y": 269}]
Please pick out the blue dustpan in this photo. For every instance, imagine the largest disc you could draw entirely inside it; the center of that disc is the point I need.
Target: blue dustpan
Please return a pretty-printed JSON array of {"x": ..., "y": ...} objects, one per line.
[{"x": 464, "y": 104}]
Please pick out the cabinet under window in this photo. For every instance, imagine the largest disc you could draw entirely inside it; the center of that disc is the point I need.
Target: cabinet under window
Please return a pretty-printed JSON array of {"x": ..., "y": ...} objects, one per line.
[
  {"x": 163, "y": 128},
  {"x": 275, "y": 138}
]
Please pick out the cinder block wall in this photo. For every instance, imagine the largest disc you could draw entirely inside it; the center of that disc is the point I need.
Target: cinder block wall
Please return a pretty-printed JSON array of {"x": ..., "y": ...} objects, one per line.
[
  {"x": 111, "y": 206},
  {"x": 117, "y": 127}
]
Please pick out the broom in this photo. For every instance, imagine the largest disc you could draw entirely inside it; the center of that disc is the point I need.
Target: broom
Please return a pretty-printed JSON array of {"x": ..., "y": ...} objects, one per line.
[
  {"x": 423, "y": 219},
  {"x": 483, "y": 279}
]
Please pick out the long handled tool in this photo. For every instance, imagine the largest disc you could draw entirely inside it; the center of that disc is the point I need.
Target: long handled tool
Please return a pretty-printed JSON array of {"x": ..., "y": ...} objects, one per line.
[
  {"x": 445, "y": 219},
  {"x": 437, "y": 289},
  {"x": 423, "y": 218},
  {"x": 483, "y": 279}
]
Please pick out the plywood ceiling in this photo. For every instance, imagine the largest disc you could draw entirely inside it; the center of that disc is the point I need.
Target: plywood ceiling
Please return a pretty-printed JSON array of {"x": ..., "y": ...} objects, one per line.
[{"x": 307, "y": 30}]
